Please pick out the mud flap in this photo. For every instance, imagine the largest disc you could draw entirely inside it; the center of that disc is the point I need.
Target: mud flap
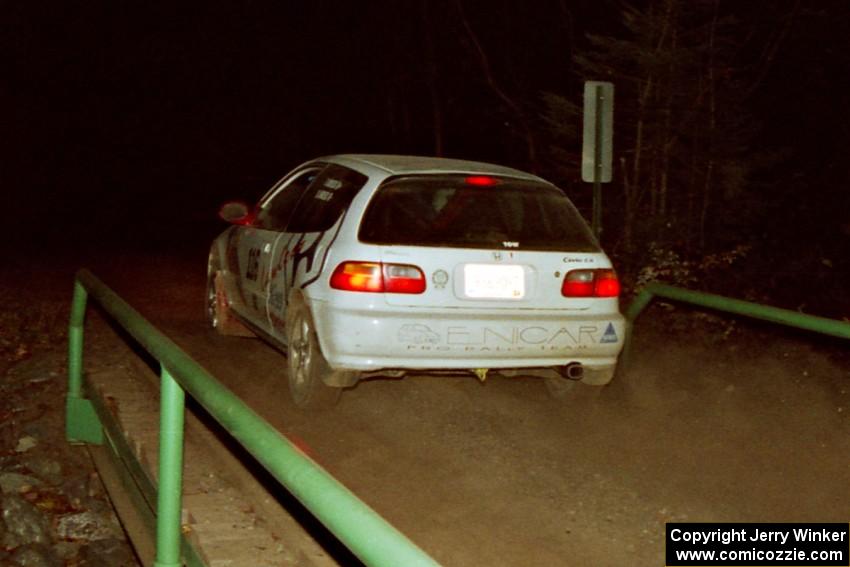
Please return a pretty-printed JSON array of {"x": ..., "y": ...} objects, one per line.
[
  {"x": 599, "y": 376},
  {"x": 228, "y": 324},
  {"x": 341, "y": 378}
]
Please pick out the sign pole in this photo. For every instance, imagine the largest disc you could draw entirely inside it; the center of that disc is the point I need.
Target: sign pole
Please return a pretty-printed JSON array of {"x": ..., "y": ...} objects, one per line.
[
  {"x": 597, "y": 163},
  {"x": 597, "y": 143}
]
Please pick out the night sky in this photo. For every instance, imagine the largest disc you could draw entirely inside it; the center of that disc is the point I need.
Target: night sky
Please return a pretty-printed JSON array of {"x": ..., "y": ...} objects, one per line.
[
  {"x": 131, "y": 121},
  {"x": 129, "y": 110}
]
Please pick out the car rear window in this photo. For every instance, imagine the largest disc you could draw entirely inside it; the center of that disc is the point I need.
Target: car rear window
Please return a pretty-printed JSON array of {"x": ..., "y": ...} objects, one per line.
[
  {"x": 324, "y": 201},
  {"x": 474, "y": 212}
]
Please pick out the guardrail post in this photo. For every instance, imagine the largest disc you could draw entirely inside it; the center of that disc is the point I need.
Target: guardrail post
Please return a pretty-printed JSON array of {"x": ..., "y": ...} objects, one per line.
[
  {"x": 638, "y": 304},
  {"x": 81, "y": 422},
  {"x": 170, "y": 488}
]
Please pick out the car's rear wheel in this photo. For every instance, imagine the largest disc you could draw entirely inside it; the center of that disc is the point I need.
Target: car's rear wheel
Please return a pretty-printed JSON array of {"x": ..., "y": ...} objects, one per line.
[{"x": 307, "y": 365}]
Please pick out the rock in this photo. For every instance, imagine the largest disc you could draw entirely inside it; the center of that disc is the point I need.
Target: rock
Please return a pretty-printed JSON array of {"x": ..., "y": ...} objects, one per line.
[
  {"x": 34, "y": 370},
  {"x": 86, "y": 526},
  {"x": 44, "y": 467},
  {"x": 111, "y": 552},
  {"x": 25, "y": 443},
  {"x": 37, "y": 429},
  {"x": 95, "y": 487},
  {"x": 84, "y": 490},
  {"x": 24, "y": 523},
  {"x": 45, "y": 377},
  {"x": 100, "y": 507},
  {"x": 35, "y": 555},
  {"x": 8, "y": 462},
  {"x": 28, "y": 413},
  {"x": 15, "y": 483},
  {"x": 66, "y": 550},
  {"x": 76, "y": 489}
]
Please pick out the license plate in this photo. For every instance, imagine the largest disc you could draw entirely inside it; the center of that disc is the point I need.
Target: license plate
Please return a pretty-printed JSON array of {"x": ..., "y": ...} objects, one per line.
[{"x": 486, "y": 281}]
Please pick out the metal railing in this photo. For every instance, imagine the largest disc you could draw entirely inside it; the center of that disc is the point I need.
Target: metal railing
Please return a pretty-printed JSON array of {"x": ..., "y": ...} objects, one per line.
[
  {"x": 362, "y": 530},
  {"x": 785, "y": 317}
]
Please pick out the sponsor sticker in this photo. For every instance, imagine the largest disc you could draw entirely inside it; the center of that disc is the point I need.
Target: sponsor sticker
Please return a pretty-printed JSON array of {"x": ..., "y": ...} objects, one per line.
[{"x": 610, "y": 335}]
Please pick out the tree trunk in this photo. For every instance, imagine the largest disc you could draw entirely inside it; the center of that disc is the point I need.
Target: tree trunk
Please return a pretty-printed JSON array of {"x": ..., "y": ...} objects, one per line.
[
  {"x": 712, "y": 131},
  {"x": 669, "y": 139},
  {"x": 484, "y": 61},
  {"x": 433, "y": 90},
  {"x": 628, "y": 213}
]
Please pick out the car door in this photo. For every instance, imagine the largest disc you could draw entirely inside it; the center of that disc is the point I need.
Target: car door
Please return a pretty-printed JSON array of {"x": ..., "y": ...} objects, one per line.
[
  {"x": 299, "y": 253},
  {"x": 258, "y": 241}
]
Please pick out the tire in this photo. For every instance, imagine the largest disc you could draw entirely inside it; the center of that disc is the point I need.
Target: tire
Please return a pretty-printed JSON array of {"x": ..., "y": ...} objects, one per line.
[
  {"x": 306, "y": 364},
  {"x": 213, "y": 310}
]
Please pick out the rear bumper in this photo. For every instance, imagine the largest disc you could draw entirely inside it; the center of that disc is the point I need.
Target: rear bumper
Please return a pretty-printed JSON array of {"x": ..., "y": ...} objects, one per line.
[{"x": 371, "y": 336}]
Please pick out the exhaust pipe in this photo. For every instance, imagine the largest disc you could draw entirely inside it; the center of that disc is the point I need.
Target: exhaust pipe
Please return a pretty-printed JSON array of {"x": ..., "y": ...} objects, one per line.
[{"x": 572, "y": 371}]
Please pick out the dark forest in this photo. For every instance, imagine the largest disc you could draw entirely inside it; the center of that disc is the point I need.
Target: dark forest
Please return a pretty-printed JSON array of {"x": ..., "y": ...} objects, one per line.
[{"x": 127, "y": 124}]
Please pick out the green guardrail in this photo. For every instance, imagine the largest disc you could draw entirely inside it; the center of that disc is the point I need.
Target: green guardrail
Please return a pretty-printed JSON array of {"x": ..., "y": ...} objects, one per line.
[
  {"x": 362, "y": 530},
  {"x": 785, "y": 317}
]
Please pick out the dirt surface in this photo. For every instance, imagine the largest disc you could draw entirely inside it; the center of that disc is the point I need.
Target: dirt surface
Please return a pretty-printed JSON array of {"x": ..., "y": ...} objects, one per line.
[{"x": 712, "y": 423}]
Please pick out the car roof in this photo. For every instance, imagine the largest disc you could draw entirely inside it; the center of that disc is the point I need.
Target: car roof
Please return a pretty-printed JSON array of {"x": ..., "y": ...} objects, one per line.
[{"x": 404, "y": 165}]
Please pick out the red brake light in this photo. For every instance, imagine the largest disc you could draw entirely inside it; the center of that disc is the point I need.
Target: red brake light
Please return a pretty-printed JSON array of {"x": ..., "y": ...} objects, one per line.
[
  {"x": 607, "y": 284},
  {"x": 578, "y": 283},
  {"x": 481, "y": 180},
  {"x": 358, "y": 276},
  {"x": 591, "y": 283},
  {"x": 403, "y": 278},
  {"x": 377, "y": 278}
]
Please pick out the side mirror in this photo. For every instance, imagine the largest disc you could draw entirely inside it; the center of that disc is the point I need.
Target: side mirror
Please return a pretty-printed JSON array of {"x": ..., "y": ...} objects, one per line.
[{"x": 235, "y": 212}]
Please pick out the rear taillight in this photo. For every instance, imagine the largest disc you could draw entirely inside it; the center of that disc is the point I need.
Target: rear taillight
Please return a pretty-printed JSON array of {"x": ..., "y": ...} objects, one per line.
[
  {"x": 606, "y": 284},
  {"x": 591, "y": 283},
  {"x": 358, "y": 276},
  {"x": 378, "y": 277},
  {"x": 403, "y": 278}
]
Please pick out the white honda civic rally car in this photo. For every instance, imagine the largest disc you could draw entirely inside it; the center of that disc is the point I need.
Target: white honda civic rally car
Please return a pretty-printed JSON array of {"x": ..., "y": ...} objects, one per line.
[{"x": 367, "y": 265}]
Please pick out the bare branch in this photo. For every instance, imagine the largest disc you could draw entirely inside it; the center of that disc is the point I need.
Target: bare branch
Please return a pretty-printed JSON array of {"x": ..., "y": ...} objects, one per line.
[
  {"x": 484, "y": 62},
  {"x": 772, "y": 49}
]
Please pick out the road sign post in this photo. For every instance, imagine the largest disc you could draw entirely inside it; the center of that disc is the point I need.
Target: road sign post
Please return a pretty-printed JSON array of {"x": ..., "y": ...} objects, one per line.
[{"x": 597, "y": 146}]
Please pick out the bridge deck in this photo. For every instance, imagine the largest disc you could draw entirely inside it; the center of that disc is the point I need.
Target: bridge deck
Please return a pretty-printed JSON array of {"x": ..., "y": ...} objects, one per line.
[{"x": 229, "y": 518}]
